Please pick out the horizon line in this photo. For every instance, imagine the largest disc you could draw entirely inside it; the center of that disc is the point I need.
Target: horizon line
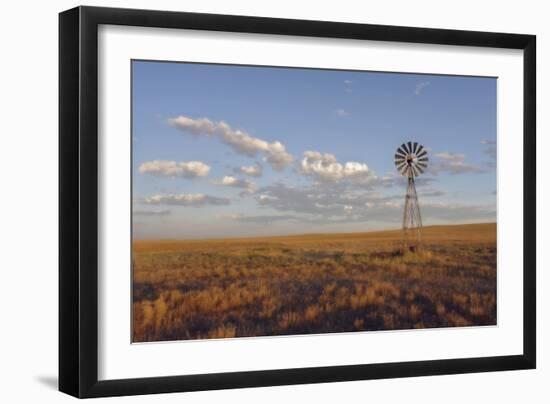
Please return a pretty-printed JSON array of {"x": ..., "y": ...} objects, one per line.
[{"x": 307, "y": 234}]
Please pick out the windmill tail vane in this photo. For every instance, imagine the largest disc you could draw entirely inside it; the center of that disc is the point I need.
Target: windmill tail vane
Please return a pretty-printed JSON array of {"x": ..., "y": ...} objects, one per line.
[{"x": 411, "y": 160}]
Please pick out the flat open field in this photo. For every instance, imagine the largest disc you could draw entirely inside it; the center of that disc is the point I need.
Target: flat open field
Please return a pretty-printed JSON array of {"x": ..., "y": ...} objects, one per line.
[{"x": 313, "y": 284}]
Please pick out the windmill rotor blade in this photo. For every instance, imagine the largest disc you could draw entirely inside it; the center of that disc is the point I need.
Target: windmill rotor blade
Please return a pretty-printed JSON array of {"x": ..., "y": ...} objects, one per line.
[
  {"x": 423, "y": 159},
  {"x": 401, "y": 167},
  {"x": 405, "y": 170},
  {"x": 400, "y": 152},
  {"x": 419, "y": 168},
  {"x": 404, "y": 148},
  {"x": 399, "y": 157},
  {"x": 399, "y": 164},
  {"x": 410, "y": 147},
  {"x": 401, "y": 160},
  {"x": 423, "y": 165},
  {"x": 415, "y": 171},
  {"x": 422, "y": 153},
  {"x": 415, "y": 145},
  {"x": 424, "y": 162},
  {"x": 419, "y": 150}
]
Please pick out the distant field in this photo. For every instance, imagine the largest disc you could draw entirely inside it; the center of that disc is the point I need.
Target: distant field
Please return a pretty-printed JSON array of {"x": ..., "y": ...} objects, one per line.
[{"x": 313, "y": 284}]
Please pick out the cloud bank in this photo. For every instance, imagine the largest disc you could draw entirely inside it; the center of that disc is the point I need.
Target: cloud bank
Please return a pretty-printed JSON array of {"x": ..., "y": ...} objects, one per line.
[
  {"x": 453, "y": 163},
  {"x": 330, "y": 204},
  {"x": 163, "y": 212},
  {"x": 194, "y": 200},
  {"x": 166, "y": 168},
  {"x": 241, "y": 142}
]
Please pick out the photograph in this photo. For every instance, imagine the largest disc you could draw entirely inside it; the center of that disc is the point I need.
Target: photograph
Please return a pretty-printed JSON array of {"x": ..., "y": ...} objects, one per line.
[{"x": 270, "y": 201}]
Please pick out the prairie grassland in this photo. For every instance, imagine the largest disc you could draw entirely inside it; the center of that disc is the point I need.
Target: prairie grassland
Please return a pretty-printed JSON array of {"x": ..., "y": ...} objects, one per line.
[{"x": 313, "y": 284}]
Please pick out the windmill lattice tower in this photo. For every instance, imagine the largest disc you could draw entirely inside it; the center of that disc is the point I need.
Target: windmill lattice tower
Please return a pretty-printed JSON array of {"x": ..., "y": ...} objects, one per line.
[{"x": 411, "y": 159}]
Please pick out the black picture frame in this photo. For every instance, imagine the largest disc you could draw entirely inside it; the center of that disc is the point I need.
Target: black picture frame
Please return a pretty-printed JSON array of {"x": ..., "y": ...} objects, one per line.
[{"x": 78, "y": 201}]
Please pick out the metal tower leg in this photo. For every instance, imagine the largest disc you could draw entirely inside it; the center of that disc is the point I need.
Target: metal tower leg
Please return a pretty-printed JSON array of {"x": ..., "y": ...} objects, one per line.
[{"x": 412, "y": 220}]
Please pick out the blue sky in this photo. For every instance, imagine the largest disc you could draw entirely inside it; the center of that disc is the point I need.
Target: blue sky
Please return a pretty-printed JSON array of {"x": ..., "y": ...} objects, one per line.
[{"x": 231, "y": 151}]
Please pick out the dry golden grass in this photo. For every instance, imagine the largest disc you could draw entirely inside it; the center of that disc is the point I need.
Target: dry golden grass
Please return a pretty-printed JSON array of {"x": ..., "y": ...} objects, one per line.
[{"x": 313, "y": 284}]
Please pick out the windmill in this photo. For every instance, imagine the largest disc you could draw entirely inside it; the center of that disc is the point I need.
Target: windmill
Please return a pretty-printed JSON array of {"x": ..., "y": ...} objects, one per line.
[{"x": 411, "y": 159}]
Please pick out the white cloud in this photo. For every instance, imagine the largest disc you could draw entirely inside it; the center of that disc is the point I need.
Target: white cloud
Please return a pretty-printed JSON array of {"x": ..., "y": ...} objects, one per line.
[
  {"x": 348, "y": 82},
  {"x": 390, "y": 204},
  {"x": 325, "y": 167},
  {"x": 324, "y": 200},
  {"x": 237, "y": 183},
  {"x": 196, "y": 200},
  {"x": 420, "y": 87},
  {"x": 151, "y": 212},
  {"x": 453, "y": 163},
  {"x": 228, "y": 180},
  {"x": 328, "y": 202},
  {"x": 264, "y": 199},
  {"x": 166, "y": 168},
  {"x": 254, "y": 171},
  {"x": 341, "y": 112},
  {"x": 241, "y": 142}
]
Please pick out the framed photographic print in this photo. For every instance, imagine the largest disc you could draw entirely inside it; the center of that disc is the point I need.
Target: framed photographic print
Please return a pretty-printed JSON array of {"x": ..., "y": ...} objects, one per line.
[{"x": 251, "y": 201}]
